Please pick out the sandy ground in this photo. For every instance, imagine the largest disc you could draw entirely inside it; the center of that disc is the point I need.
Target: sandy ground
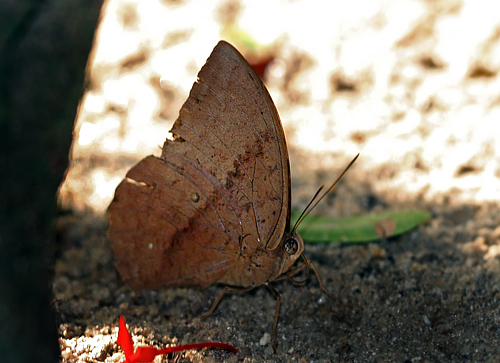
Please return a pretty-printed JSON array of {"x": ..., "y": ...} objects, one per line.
[
  {"x": 411, "y": 85},
  {"x": 431, "y": 296}
]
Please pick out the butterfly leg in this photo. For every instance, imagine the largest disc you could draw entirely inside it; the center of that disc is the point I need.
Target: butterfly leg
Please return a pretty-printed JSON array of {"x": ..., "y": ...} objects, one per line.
[
  {"x": 321, "y": 286},
  {"x": 216, "y": 302},
  {"x": 276, "y": 315},
  {"x": 219, "y": 297}
]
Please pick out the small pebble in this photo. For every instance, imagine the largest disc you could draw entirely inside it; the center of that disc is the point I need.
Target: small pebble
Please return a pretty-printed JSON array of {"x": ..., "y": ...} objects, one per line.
[{"x": 266, "y": 338}]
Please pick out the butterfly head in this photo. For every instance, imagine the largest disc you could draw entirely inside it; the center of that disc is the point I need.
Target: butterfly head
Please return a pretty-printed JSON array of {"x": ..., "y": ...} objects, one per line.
[{"x": 293, "y": 246}]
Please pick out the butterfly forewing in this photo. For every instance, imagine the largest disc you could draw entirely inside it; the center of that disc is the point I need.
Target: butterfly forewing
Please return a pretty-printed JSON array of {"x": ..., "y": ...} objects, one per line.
[
  {"x": 231, "y": 120},
  {"x": 220, "y": 191}
]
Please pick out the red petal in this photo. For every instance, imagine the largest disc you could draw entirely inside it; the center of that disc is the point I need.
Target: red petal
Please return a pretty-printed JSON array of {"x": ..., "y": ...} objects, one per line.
[
  {"x": 148, "y": 354},
  {"x": 180, "y": 348},
  {"x": 143, "y": 355},
  {"x": 124, "y": 339}
]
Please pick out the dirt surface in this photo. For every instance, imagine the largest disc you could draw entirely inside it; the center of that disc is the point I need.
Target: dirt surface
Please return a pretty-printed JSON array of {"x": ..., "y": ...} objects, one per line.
[
  {"x": 429, "y": 296},
  {"x": 411, "y": 85}
]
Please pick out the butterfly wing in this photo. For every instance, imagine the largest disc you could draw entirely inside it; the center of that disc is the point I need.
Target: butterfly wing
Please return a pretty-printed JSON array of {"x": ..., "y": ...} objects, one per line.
[{"x": 220, "y": 190}]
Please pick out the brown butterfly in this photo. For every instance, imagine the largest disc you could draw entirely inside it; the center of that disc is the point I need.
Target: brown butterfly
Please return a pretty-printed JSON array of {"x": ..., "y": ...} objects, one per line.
[{"x": 215, "y": 207}]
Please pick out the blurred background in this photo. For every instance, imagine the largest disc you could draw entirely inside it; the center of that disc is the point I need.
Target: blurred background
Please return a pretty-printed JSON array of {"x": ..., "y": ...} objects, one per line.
[{"x": 412, "y": 85}]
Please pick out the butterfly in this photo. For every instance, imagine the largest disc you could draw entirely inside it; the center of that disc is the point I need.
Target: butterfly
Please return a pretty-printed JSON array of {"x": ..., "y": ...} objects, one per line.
[{"x": 215, "y": 206}]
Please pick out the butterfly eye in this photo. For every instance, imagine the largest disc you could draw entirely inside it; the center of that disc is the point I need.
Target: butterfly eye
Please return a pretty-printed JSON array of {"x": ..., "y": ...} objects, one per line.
[{"x": 291, "y": 246}]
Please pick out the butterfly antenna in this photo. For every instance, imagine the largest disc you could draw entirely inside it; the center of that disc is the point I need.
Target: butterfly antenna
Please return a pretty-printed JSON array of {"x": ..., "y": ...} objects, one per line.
[
  {"x": 306, "y": 208},
  {"x": 311, "y": 206}
]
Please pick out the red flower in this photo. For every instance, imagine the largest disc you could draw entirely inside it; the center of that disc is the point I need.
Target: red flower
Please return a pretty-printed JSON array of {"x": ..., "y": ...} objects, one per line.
[{"x": 147, "y": 354}]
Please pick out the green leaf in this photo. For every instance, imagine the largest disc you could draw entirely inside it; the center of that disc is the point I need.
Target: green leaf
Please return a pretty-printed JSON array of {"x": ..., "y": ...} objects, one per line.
[
  {"x": 234, "y": 33},
  {"x": 357, "y": 229}
]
